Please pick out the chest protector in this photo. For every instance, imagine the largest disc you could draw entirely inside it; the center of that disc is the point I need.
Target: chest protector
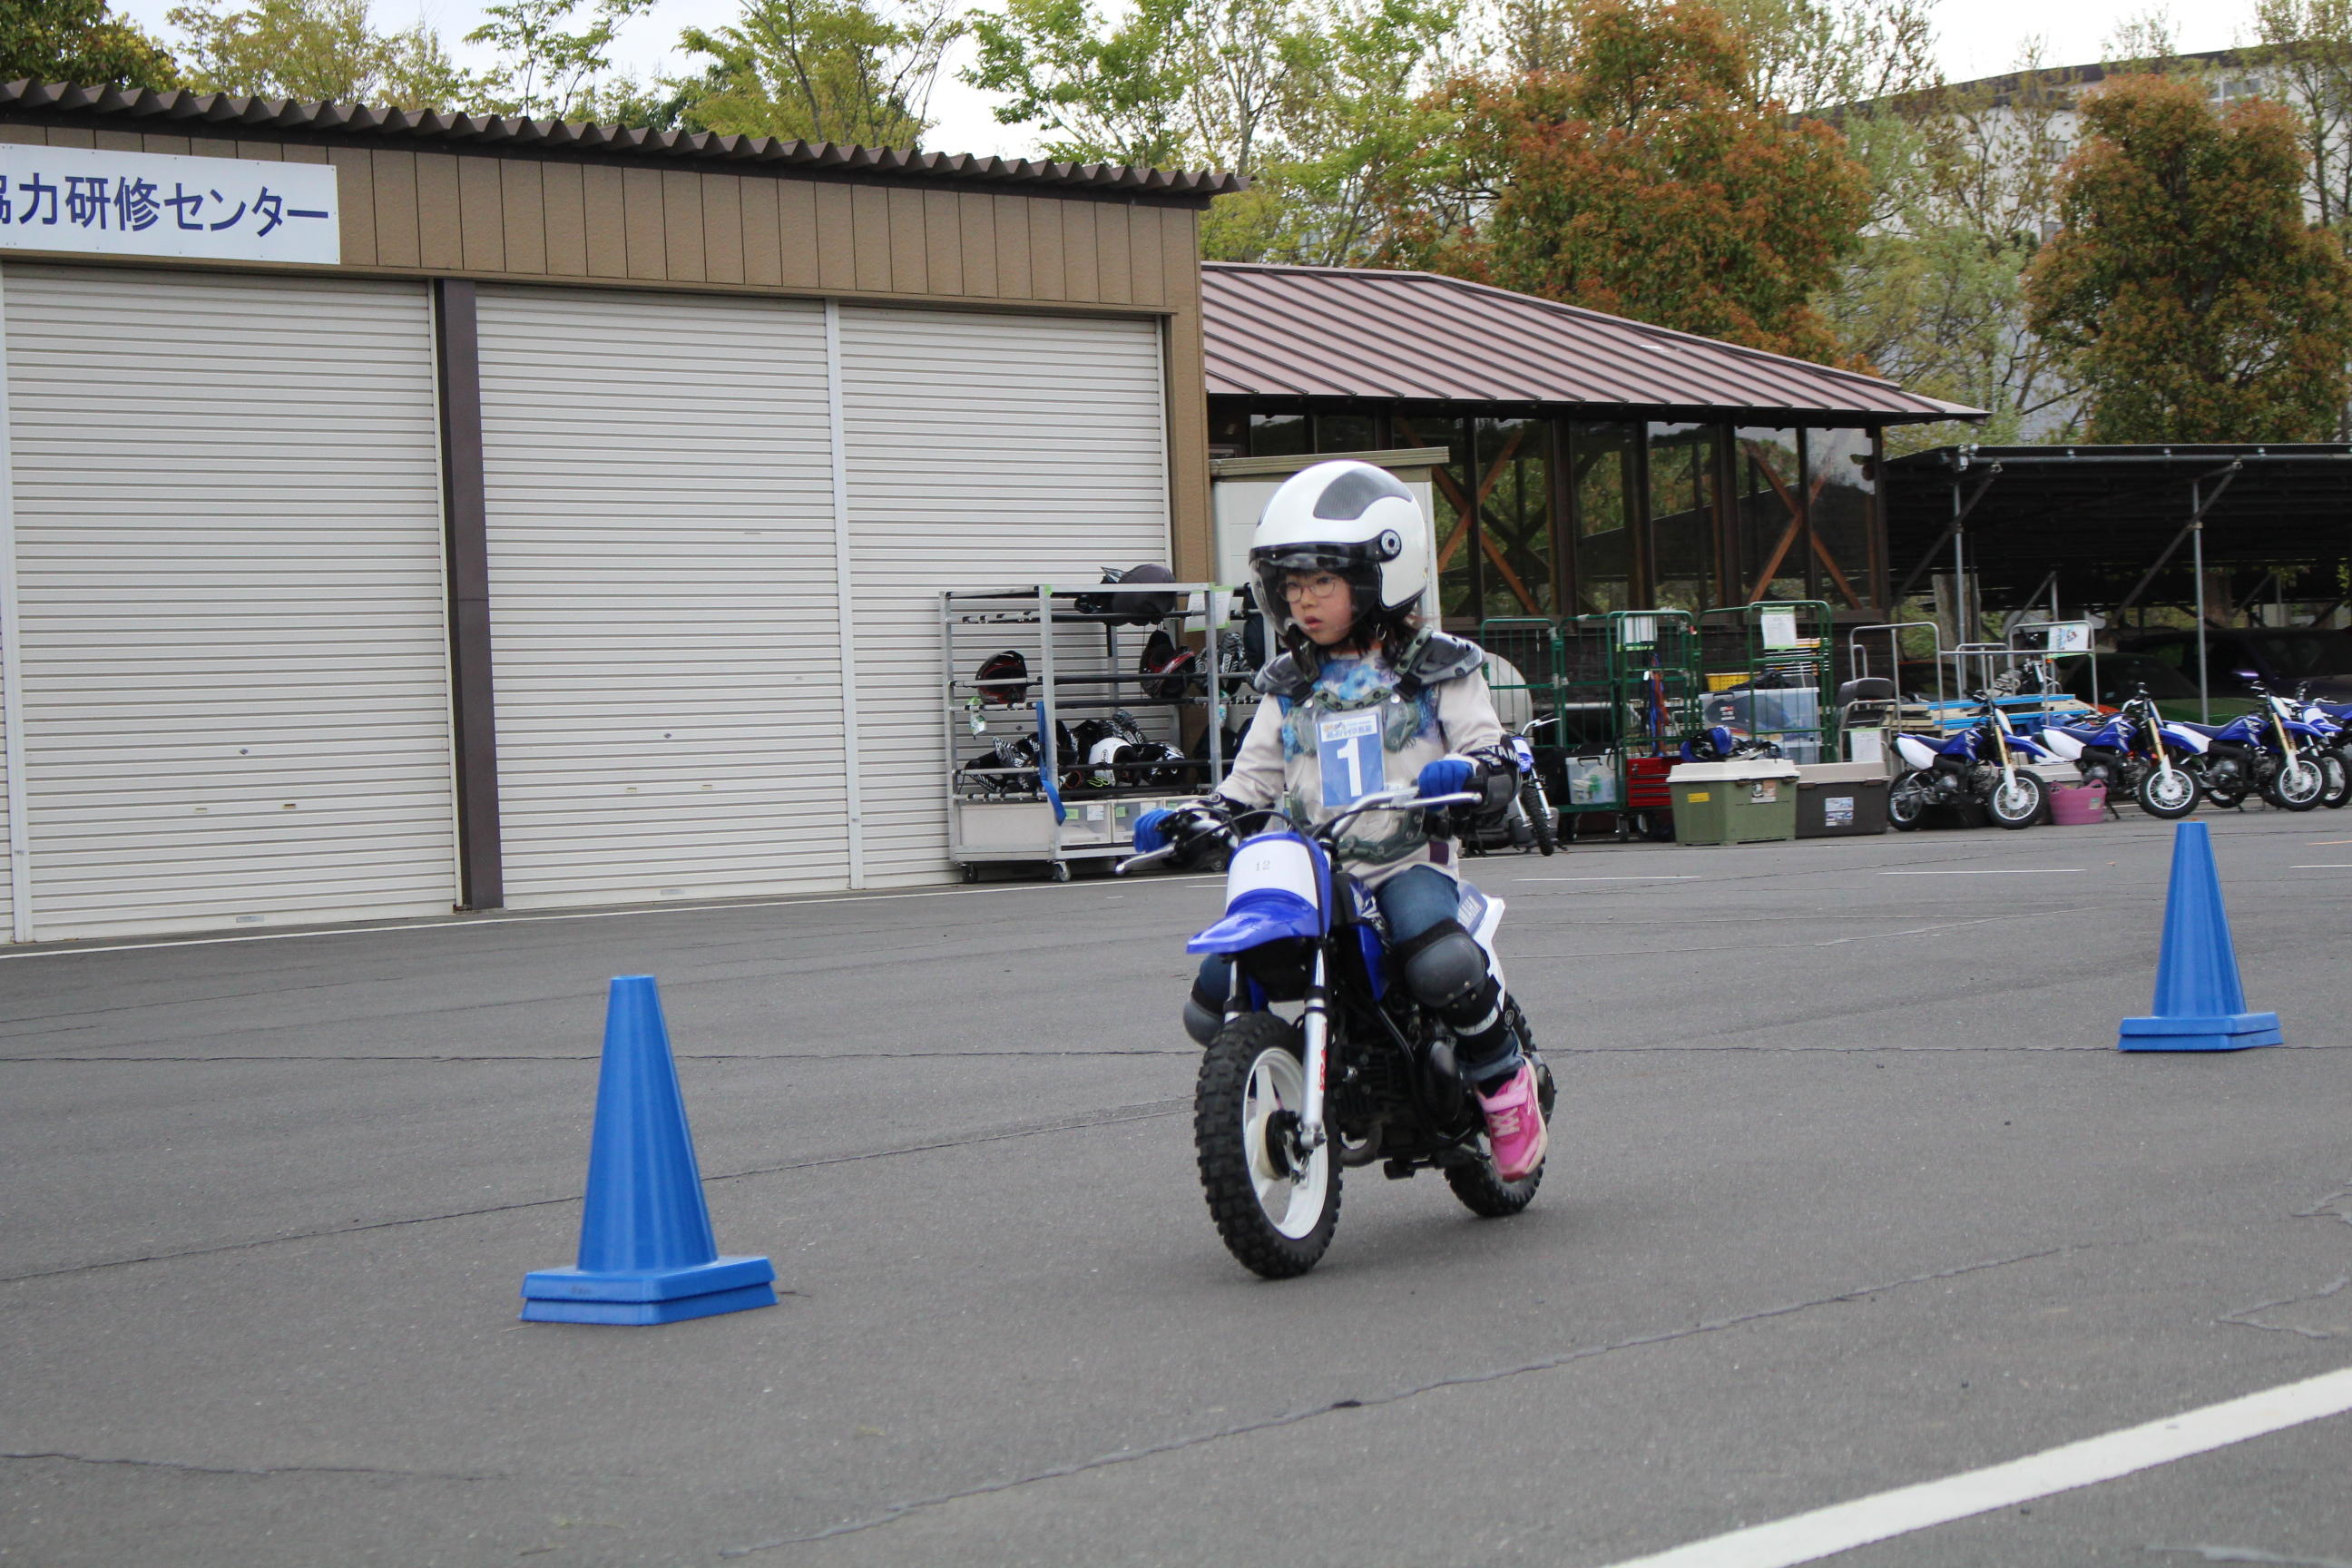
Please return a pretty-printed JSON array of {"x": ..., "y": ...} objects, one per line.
[{"x": 1354, "y": 731}]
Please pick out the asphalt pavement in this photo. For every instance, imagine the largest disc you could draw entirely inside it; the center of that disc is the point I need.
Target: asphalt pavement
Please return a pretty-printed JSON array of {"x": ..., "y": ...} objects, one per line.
[{"x": 1850, "y": 1189}]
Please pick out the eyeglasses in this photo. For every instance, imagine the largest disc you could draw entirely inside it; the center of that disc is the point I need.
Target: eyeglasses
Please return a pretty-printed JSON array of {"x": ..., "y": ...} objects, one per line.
[{"x": 1322, "y": 585}]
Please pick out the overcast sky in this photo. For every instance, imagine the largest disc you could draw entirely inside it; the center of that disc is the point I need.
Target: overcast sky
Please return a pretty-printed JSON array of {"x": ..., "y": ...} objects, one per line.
[{"x": 1979, "y": 38}]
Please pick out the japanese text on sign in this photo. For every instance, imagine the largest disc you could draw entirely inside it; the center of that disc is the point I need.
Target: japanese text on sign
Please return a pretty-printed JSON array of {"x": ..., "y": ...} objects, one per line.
[{"x": 139, "y": 203}]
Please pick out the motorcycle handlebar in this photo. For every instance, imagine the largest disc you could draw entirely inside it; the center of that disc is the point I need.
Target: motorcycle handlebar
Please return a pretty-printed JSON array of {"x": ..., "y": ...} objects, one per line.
[{"x": 1386, "y": 800}]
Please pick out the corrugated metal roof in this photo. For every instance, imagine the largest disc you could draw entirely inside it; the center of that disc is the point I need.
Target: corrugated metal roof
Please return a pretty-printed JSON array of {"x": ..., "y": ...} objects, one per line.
[
  {"x": 182, "y": 111},
  {"x": 1352, "y": 332}
]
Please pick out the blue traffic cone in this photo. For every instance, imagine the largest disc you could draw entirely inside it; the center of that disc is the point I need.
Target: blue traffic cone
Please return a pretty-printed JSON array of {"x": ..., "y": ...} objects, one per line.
[
  {"x": 646, "y": 1254},
  {"x": 2200, "y": 1004}
]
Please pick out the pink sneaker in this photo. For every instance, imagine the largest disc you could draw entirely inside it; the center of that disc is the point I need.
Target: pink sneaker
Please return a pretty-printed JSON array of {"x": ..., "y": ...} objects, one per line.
[{"x": 1514, "y": 1125}]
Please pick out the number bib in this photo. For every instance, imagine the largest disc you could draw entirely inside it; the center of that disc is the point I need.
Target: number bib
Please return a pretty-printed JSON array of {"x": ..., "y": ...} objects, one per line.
[{"x": 1354, "y": 764}]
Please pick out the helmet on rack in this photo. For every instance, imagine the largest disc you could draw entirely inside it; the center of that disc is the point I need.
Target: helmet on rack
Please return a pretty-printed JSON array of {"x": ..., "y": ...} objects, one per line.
[
  {"x": 1004, "y": 679},
  {"x": 1350, "y": 519},
  {"x": 1137, "y": 609}
]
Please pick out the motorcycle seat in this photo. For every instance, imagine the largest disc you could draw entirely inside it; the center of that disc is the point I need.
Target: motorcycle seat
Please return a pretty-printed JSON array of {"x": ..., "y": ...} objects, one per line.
[{"x": 2209, "y": 731}]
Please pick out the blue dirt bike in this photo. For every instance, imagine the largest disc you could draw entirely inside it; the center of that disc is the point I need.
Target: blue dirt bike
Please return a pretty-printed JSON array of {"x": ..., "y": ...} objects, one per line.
[
  {"x": 1363, "y": 1074},
  {"x": 2333, "y": 723},
  {"x": 2270, "y": 751},
  {"x": 1980, "y": 763},
  {"x": 2133, "y": 752}
]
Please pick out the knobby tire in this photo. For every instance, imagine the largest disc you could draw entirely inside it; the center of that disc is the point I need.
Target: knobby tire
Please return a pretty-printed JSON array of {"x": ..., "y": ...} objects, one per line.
[{"x": 1218, "y": 1144}]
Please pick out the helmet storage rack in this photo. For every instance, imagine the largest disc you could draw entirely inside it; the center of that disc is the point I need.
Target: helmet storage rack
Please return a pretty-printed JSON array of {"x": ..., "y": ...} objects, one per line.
[{"x": 1028, "y": 671}]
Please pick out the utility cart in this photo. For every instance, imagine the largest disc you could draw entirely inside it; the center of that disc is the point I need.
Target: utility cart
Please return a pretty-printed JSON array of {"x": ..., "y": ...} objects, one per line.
[
  {"x": 1068, "y": 713},
  {"x": 1777, "y": 689}
]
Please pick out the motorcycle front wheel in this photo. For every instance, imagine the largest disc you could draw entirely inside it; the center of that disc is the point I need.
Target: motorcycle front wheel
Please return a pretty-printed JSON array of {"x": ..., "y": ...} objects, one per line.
[
  {"x": 1275, "y": 1209},
  {"x": 2166, "y": 795},
  {"x": 2015, "y": 802},
  {"x": 1538, "y": 805},
  {"x": 2296, "y": 786},
  {"x": 2339, "y": 780}
]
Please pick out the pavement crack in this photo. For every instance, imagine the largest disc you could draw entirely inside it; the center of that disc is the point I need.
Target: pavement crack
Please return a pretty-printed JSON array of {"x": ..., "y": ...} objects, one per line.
[
  {"x": 2250, "y": 1317},
  {"x": 2335, "y": 1205},
  {"x": 892, "y": 1512},
  {"x": 260, "y": 1470},
  {"x": 1110, "y": 1117}
]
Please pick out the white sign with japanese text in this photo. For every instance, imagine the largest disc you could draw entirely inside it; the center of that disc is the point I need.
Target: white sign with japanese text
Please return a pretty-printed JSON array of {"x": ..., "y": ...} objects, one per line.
[{"x": 157, "y": 204}]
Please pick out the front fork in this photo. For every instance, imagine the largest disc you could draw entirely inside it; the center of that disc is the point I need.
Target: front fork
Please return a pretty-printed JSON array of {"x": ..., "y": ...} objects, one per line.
[{"x": 1314, "y": 1036}]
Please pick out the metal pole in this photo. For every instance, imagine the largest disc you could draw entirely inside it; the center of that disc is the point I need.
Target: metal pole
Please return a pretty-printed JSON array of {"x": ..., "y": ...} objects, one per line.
[
  {"x": 2196, "y": 564},
  {"x": 1960, "y": 629}
]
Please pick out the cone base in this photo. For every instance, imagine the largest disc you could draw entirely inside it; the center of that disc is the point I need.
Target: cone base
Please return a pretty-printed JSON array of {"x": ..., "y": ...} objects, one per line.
[
  {"x": 2228, "y": 1032},
  {"x": 643, "y": 1313},
  {"x": 646, "y": 1284}
]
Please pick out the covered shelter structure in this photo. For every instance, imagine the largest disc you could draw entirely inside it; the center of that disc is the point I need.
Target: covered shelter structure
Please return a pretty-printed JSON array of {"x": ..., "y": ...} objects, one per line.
[
  {"x": 2231, "y": 534},
  {"x": 1595, "y": 463}
]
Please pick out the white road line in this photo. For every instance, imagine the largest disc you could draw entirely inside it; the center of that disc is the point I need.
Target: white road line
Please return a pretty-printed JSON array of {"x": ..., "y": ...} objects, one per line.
[
  {"x": 2325, "y": 866},
  {"x": 1660, "y": 878},
  {"x": 1999, "y": 871},
  {"x": 466, "y": 924},
  {"x": 1824, "y": 1532}
]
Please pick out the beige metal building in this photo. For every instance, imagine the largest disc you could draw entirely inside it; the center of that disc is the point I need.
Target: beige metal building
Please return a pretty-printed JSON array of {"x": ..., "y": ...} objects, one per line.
[{"x": 404, "y": 512}]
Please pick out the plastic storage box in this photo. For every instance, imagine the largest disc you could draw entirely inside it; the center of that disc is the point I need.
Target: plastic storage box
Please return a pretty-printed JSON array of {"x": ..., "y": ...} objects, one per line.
[
  {"x": 1749, "y": 802},
  {"x": 1836, "y": 800}
]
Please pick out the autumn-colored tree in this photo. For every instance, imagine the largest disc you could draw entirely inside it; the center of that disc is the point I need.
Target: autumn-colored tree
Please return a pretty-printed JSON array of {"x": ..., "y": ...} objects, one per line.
[
  {"x": 2187, "y": 290},
  {"x": 1644, "y": 177}
]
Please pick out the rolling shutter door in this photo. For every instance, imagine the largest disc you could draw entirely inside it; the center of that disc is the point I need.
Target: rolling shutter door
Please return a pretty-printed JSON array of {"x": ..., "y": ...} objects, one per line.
[
  {"x": 234, "y": 644},
  {"x": 985, "y": 450},
  {"x": 663, "y": 614}
]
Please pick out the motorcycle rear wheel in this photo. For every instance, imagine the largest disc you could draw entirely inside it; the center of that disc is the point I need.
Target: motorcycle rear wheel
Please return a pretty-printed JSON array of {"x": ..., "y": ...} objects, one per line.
[
  {"x": 2016, "y": 802},
  {"x": 1275, "y": 1213},
  {"x": 1907, "y": 802},
  {"x": 2339, "y": 780},
  {"x": 1482, "y": 1191},
  {"x": 1538, "y": 805},
  {"x": 2169, "y": 796}
]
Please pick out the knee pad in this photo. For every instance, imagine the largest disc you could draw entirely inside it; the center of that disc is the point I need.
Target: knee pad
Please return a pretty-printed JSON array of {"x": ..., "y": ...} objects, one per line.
[
  {"x": 1204, "y": 1016},
  {"x": 1445, "y": 970}
]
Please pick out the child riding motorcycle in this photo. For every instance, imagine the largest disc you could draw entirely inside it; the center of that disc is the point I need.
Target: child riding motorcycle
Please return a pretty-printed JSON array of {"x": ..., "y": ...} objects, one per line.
[{"x": 1362, "y": 699}]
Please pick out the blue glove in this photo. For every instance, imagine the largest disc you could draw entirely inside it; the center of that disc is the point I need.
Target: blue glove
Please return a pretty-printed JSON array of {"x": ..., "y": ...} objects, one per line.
[
  {"x": 1153, "y": 830},
  {"x": 1446, "y": 776},
  {"x": 1166, "y": 827}
]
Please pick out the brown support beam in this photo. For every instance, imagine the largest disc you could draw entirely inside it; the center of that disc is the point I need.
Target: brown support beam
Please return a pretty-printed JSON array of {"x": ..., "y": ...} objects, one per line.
[{"x": 465, "y": 526}]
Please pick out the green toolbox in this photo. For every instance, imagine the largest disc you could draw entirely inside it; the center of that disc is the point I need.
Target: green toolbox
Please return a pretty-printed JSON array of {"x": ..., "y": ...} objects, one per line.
[{"x": 1747, "y": 802}]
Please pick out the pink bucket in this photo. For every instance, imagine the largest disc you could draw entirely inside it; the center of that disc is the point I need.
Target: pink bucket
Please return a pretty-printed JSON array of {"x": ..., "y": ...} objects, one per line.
[{"x": 2078, "y": 805}]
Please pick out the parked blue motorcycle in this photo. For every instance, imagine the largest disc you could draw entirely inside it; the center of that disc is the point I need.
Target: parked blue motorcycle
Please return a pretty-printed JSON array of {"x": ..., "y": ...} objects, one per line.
[
  {"x": 2133, "y": 752},
  {"x": 1980, "y": 763},
  {"x": 2269, "y": 750},
  {"x": 1365, "y": 1074},
  {"x": 2334, "y": 721}
]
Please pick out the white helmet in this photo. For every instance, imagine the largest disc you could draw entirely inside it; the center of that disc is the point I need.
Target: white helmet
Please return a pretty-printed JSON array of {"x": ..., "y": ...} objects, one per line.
[{"x": 1347, "y": 517}]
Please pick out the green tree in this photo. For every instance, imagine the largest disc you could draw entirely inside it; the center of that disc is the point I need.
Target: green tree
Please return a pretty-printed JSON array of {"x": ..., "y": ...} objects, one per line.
[
  {"x": 1317, "y": 103},
  {"x": 315, "y": 49},
  {"x": 2306, "y": 49},
  {"x": 1101, "y": 92},
  {"x": 821, "y": 70},
  {"x": 1934, "y": 296},
  {"x": 544, "y": 68},
  {"x": 78, "y": 41},
  {"x": 2187, "y": 290},
  {"x": 1644, "y": 179},
  {"x": 1339, "y": 147}
]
